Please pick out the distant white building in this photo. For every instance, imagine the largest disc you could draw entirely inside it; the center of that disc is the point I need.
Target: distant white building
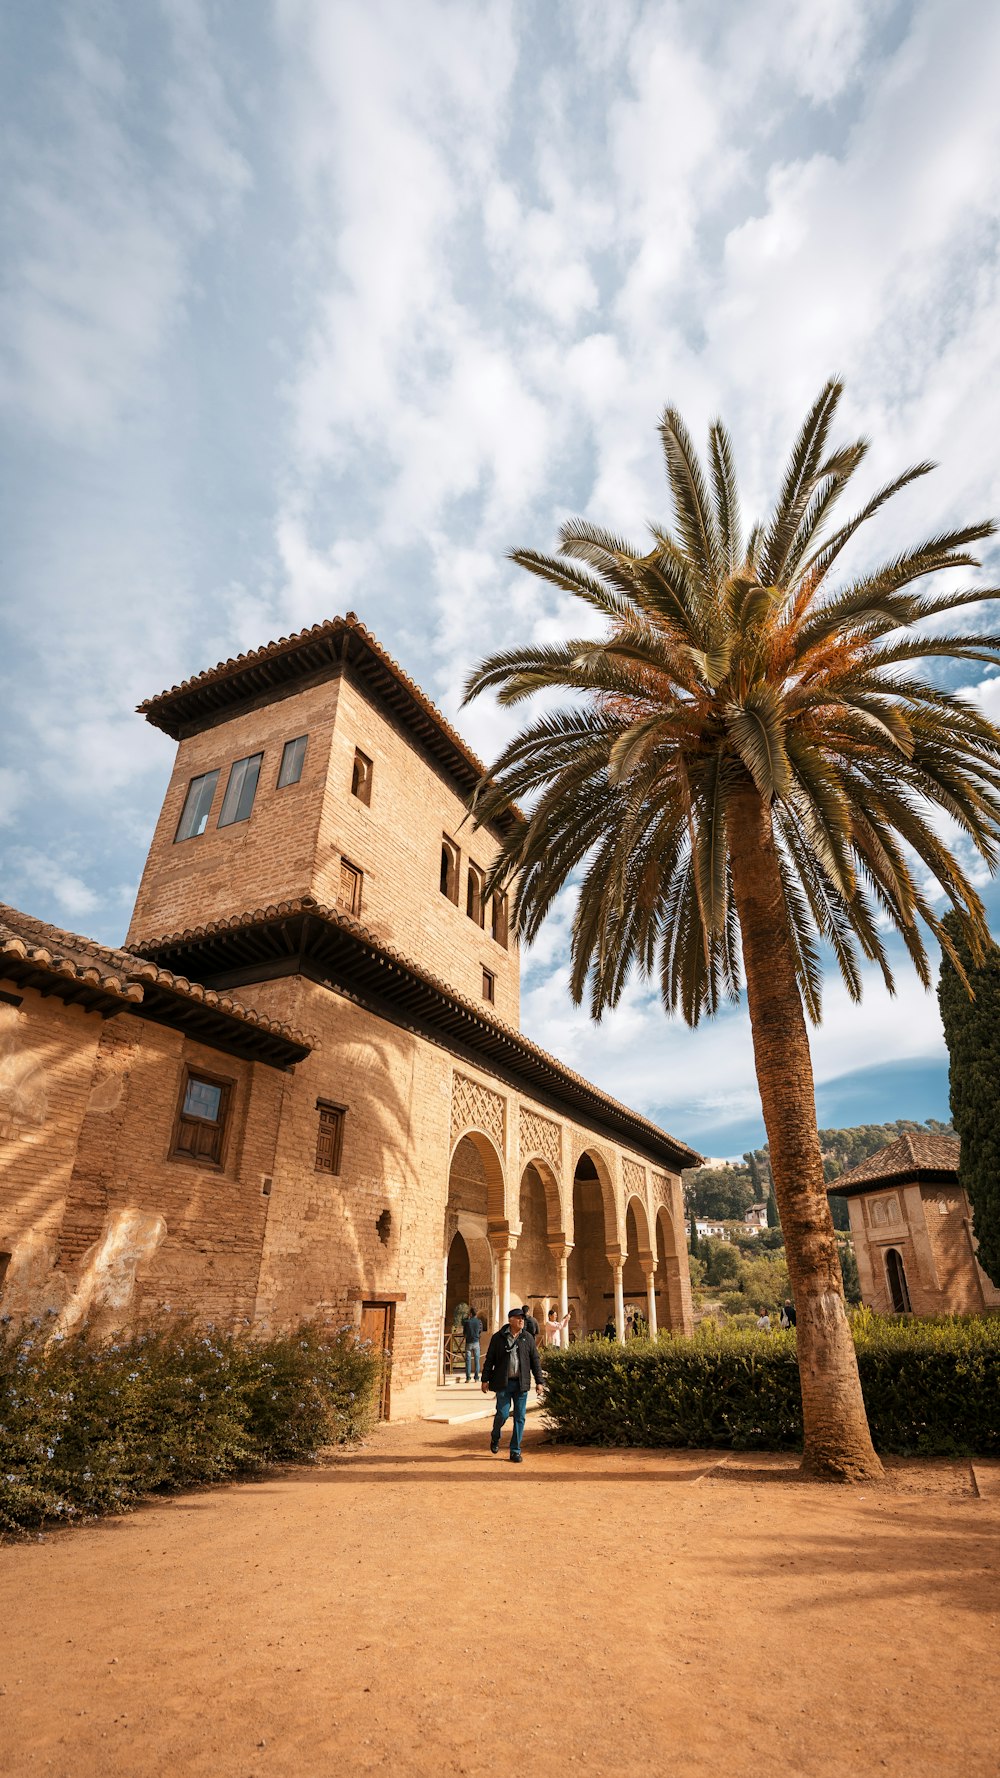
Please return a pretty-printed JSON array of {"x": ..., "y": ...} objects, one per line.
[
  {"x": 756, "y": 1218},
  {"x": 715, "y": 1230}
]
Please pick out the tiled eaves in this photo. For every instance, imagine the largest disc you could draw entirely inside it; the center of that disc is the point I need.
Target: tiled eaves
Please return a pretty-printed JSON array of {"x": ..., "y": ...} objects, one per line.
[
  {"x": 913, "y": 1156},
  {"x": 323, "y": 646},
  {"x": 472, "y": 1013},
  {"x": 78, "y": 969}
]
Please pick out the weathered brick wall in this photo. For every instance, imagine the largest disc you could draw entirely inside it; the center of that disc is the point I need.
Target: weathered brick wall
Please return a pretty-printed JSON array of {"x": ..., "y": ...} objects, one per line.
[
  {"x": 396, "y": 842},
  {"x": 248, "y": 864},
  {"x": 47, "y": 1056},
  {"x": 324, "y": 1253}
]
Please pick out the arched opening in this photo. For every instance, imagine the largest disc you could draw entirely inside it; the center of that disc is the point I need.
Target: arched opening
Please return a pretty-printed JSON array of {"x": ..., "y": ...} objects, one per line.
[
  {"x": 637, "y": 1249},
  {"x": 669, "y": 1301},
  {"x": 896, "y": 1273},
  {"x": 591, "y": 1282},
  {"x": 534, "y": 1275},
  {"x": 475, "y": 1201}
]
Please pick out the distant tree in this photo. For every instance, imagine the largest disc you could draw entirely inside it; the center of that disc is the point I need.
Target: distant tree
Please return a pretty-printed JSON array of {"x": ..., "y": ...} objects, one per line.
[
  {"x": 772, "y": 1210},
  {"x": 972, "y": 1033},
  {"x": 694, "y": 1243},
  {"x": 849, "y": 1271},
  {"x": 841, "y": 1214},
  {"x": 753, "y": 1168},
  {"x": 719, "y": 1193},
  {"x": 722, "y": 1262}
]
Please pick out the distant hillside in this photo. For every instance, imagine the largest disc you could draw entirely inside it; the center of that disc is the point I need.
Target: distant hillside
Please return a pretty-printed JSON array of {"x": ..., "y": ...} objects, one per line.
[{"x": 727, "y": 1192}]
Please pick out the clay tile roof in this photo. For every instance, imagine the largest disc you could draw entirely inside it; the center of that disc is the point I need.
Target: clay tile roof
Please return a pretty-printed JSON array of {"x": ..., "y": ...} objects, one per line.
[
  {"x": 336, "y": 645},
  {"x": 114, "y": 980},
  {"x": 478, "y": 1025},
  {"x": 913, "y": 1154}
]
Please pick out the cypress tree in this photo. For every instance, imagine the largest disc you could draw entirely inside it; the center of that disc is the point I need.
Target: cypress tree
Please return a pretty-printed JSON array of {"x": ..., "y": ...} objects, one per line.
[
  {"x": 693, "y": 1244},
  {"x": 772, "y": 1209},
  {"x": 972, "y": 1033},
  {"x": 755, "y": 1178}
]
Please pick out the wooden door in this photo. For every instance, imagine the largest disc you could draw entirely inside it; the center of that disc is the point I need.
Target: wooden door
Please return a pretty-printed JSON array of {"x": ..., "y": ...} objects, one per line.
[{"x": 376, "y": 1326}]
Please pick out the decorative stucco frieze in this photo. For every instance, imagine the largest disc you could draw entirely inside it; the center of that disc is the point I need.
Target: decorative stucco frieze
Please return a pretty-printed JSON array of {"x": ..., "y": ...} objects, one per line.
[{"x": 475, "y": 1107}]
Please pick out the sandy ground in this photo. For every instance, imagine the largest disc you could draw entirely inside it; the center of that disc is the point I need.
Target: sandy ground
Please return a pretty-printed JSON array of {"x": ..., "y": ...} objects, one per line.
[{"x": 421, "y": 1606}]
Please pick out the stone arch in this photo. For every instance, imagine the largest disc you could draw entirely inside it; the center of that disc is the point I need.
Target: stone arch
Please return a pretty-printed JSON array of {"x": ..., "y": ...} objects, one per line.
[
  {"x": 639, "y": 1255},
  {"x": 534, "y": 1272},
  {"x": 595, "y": 1234},
  {"x": 670, "y": 1296},
  {"x": 899, "y": 1290},
  {"x": 491, "y": 1168}
]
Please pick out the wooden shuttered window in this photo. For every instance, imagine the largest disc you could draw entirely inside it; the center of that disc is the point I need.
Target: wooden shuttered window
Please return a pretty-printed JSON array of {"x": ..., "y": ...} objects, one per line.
[
  {"x": 329, "y": 1137},
  {"x": 202, "y": 1118},
  {"x": 349, "y": 896}
]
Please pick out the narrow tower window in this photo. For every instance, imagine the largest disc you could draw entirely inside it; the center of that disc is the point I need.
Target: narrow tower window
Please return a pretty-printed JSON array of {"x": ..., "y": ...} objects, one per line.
[
  {"x": 197, "y": 805},
  {"x": 361, "y": 778},
  {"x": 329, "y": 1137},
  {"x": 351, "y": 878},
  {"x": 451, "y": 858},
  {"x": 292, "y": 760},
  {"x": 475, "y": 901},
  {"x": 499, "y": 915},
  {"x": 489, "y": 986},
  {"x": 241, "y": 790}
]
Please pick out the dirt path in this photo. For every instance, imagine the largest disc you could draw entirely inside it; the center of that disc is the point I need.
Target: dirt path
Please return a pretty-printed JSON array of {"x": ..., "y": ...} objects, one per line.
[{"x": 669, "y": 1618}]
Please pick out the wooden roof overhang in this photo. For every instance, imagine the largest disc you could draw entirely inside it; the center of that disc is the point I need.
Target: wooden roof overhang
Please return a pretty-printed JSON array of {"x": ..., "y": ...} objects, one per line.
[
  {"x": 338, "y": 952},
  {"x": 91, "y": 993},
  {"x": 327, "y": 650}
]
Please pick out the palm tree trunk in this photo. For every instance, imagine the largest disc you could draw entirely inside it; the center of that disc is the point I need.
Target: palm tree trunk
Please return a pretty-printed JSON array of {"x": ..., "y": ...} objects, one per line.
[{"x": 838, "y": 1444}]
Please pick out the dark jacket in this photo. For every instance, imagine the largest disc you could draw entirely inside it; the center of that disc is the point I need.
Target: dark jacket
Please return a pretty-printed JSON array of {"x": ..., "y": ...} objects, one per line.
[
  {"x": 495, "y": 1362},
  {"x": 473, "y": 1330},
  {"x": 531, "y": 1326}
]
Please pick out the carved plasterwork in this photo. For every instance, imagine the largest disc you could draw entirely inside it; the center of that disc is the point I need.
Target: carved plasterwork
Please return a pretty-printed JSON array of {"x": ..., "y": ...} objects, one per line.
[
  {"x": 539, "y": 1136},
  {"x": 634, "y": 1180},
  {"x": 475, "y": 1107}
]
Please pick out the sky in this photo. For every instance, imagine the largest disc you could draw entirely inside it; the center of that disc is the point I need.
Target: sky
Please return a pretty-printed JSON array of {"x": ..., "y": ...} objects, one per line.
[{"x": 328, "y": 304}]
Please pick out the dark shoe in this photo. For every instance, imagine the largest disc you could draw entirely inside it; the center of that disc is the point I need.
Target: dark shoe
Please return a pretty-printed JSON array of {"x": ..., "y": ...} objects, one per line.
[
  {"x": 494, "y": 1445},
  {"x": 515, "y": 1456}
]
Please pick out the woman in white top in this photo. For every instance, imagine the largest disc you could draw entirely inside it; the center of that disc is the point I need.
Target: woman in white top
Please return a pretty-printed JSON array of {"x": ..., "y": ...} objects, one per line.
[{"x": 556, "y": 1329}]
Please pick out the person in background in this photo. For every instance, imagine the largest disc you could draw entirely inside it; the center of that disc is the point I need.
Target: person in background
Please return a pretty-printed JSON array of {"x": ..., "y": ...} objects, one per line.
[
  {"x": 529, "y": 1321},
  {"x": 472, "y": 1329},
  {"x": 511, "y": 1362},
  {"x": 788, "y": 1313},
  {"x": 764, "y": 1321},
  {"x": 555, "y": 1330},
  {"x": 610, "y": 1331}
]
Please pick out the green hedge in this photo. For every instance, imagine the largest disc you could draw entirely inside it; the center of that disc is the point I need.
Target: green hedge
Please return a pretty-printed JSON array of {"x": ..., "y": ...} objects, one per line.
[
  {"x": 932, "y": 1388},
  {"x": 88, "y": 1428}
]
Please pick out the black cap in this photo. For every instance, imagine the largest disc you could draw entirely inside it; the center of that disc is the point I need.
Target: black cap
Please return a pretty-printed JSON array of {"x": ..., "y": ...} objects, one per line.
[{"x": 518, "y": 1312}]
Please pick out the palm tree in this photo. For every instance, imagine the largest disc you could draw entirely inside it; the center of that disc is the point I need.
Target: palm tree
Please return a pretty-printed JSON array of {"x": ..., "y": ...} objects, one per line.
[{"x": 753, "y": 764}]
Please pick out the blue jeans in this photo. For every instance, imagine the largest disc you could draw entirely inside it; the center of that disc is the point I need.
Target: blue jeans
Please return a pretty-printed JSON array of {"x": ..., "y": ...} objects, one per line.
[
  {"x": 472, "y": 1353},
  {"x": 507, "y": 1399}
]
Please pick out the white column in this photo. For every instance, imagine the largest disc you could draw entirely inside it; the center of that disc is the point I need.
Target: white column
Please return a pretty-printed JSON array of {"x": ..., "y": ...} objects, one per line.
[
  {"x": 650, "y": 1271},
  {"x": 563, "y": 1264},
  {"x": 503, "y": 1260},
  {"x": 618, "y": 1267}
]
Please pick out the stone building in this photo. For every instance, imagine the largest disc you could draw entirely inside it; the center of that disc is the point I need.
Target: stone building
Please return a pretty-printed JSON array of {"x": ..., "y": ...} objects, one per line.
[
  {"x": 912, "y": 1228},
  {"x": 300, "y": 1089}
]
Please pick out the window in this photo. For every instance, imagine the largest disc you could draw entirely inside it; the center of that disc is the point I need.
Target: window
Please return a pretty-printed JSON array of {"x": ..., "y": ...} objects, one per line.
[
  {"x": 200, "y": 1129},
  {"x": 475, "y": 901},
  {"x": 241, "y": 790},
  {"x": 883, "y": 1210},
  {"x": 350, "y": 887},
  {"x": 489, "y": 986},
  {"x": 383, "y": 1227},
  {"x": 292, "y": 759},
  {"x": 361, "y": 778},
  {"x": 498, "y": 910},
  {"x": 451, "y": 858},
  {"x": 197, "y": 804},
  {"x": 329, "y": 1137}
]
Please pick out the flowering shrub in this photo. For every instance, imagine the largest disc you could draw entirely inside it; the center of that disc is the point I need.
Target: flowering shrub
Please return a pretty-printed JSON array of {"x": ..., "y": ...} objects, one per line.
[
  {"x": 88, "y": 1428},
  {"x": 931, "y": 1388}
]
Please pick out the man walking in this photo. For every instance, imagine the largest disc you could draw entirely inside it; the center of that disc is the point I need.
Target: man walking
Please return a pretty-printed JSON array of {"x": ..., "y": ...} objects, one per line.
[
  {"x": 472, "y": 1329},
  {"x": 511, "y": 1362}
]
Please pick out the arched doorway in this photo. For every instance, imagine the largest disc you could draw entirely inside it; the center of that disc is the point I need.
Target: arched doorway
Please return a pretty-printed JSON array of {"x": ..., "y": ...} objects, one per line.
[
  {"x": 475, "y": 1204},
  {"x": 669, "y": 1301},
  {"x": 590, "y": 1279},
  {"x": 637, "y": 1250},
  {"x": 895, "y": 1270},
  {"x": 534, "y": 1275}
]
